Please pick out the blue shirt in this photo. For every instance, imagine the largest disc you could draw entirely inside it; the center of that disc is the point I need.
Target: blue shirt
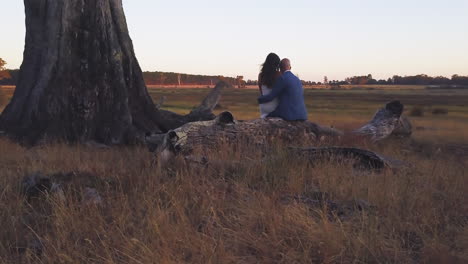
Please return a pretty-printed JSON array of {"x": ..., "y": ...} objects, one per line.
[{"x": 288, "y": 89}]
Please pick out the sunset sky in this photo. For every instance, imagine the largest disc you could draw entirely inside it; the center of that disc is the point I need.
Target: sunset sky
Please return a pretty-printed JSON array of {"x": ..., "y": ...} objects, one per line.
[{"x": 337, "y": 38}]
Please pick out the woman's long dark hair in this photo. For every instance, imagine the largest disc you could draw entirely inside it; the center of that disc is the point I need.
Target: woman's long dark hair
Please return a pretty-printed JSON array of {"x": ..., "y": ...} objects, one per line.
[{"x": 270, "y": 70}]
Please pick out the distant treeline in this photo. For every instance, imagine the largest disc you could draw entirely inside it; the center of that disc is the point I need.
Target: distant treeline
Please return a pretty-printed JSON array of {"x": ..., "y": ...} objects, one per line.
[
  {"x": 172, "y": 78},
  {"x": 421, "y": 79},
  {"x": 11, "y": 79},
  {"x": 161, "y": 78}
]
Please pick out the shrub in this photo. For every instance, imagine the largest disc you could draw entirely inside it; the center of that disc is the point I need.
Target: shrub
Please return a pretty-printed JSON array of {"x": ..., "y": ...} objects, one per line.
[
  {"x": 2, "y": 99},
  {"x": 417, "y": 111},
  {"x": 440, "y": 111}
]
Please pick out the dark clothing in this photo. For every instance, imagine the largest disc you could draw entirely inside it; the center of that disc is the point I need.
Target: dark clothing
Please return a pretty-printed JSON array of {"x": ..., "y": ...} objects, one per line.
[{"x": 288, "y": 89}]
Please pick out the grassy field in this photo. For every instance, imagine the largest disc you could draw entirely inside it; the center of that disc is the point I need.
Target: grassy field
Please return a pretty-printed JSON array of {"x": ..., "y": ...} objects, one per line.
[{"x": 241, "y": 212}]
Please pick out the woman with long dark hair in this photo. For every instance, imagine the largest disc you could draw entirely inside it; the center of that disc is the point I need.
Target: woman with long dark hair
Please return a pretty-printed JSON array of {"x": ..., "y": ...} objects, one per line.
[{"x": 269, "y": 73}]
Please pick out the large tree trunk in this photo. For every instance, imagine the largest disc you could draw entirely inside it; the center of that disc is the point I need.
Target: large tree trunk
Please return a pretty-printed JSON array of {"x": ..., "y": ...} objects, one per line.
[{"x": 80, "y": 80}]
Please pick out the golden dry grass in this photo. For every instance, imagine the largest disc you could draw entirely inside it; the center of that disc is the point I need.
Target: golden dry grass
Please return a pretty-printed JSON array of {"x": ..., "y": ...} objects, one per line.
[{"x": 234, "y": 211}]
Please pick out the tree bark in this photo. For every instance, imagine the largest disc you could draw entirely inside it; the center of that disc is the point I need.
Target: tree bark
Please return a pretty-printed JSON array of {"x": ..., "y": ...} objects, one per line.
[{"x": 80, "y": 80}]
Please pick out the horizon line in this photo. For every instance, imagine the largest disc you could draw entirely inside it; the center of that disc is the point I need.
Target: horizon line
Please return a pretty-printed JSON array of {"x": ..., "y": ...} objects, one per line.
[{"x": 332, "y": 79}]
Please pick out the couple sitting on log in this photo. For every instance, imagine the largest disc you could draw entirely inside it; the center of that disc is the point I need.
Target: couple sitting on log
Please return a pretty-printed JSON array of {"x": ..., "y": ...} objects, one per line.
[{"x": 282, "y": 95}]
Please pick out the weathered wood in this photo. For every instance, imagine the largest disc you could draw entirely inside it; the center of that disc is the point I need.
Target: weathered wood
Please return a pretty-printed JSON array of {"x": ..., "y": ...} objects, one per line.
[
  {"x": 263, "y": 132},
  {"x": 80, "y": 80},
  {"x": 361, "y": 158},
  {"x": 403, "y": 128},
  {"x": 259, "y": 132},
  {"x": 387, "y": 122},
  {"x": 161, "y": 102},
  {"x": 203, "y": 112}
]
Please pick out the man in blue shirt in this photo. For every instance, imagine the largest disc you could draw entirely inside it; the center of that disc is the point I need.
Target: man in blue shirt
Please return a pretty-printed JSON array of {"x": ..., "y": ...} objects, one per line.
[{"x": 288, "y": 89}]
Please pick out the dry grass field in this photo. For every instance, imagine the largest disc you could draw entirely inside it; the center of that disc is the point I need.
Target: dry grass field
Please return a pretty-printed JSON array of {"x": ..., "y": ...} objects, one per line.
[{"x": 239, "y": 211}]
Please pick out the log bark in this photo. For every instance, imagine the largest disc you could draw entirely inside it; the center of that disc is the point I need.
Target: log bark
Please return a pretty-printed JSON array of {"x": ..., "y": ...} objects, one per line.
[
  {"x": 387, "y": 122},
  {"x": 80, "y": 80},
  {"x": 203, "y": 112},
  {"x": 362, "y": 158},
  {"x": 259, "y": 132},
  {"x": 263, "y": 132}
]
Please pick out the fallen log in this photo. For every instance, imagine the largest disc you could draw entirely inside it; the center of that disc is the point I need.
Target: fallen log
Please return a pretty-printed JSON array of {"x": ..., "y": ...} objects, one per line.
[
  {"x": 260, "y": 132},
  {"x": 387, "y": 122},
  {"x": 161, "y": 102},
  {"x": 200, "y": 113},
  {"x": 362, "y": 159},
  {"x": 263, "y": 132},
  {"x": 37, "y": 185}
]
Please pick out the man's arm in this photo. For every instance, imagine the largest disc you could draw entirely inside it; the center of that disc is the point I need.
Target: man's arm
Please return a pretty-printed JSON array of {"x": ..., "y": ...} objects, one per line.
[{"x": 278, "y": 88}]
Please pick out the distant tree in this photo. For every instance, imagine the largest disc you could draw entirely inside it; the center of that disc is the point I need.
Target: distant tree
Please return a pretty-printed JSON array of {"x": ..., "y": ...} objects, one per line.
[
  {"x": 252, "y": 82},
  {"x": 171, "y": 78},
  {"x": 240, "y": 82},
  {"x": 440, "y": 80},
  {"x": 162, "y": 78},
  {"x": 4, "y": 74},
  {"x": 420, "y": 79},
  {"x": 397, "y": 79},
  {"x": 459, "y": 80}
]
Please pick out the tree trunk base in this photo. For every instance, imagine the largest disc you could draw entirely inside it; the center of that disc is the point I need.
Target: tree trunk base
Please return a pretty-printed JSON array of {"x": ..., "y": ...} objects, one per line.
[{"x": 80, "y": 80}]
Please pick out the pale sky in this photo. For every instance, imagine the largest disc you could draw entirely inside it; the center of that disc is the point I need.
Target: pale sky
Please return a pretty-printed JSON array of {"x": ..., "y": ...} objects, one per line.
[{"x": 336, "y": 38}]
